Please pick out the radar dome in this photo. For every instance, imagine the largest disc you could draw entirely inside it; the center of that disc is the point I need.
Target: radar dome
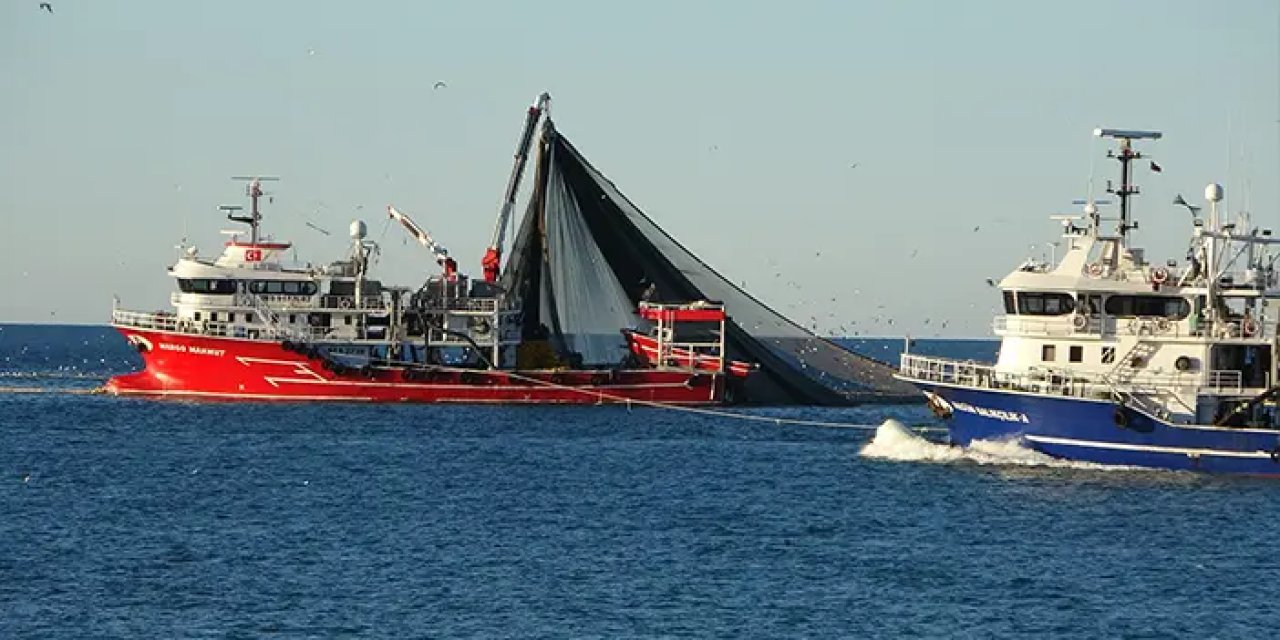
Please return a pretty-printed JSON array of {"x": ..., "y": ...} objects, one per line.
[
  {"x": 1213, "y": 192},
  {"x": 358, "y": 229}
]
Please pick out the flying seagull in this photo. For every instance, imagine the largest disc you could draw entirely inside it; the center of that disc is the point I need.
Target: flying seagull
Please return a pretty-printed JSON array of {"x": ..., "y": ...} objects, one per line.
[
  {"x": 46, "y": 6},
  {"x": 439, "y": 85}
]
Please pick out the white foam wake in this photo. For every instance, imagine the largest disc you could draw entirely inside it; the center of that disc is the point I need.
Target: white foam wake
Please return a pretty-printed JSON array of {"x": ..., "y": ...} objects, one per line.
[{"x": 894, "y": 441}]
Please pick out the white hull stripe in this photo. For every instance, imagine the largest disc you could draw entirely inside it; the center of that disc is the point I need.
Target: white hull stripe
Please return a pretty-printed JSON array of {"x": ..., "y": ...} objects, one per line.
[{"x": 1146, "y": 448}]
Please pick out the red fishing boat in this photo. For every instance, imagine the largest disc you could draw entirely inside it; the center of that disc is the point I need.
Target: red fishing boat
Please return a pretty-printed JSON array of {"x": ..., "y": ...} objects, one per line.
[{"x": 247, "y": 326}]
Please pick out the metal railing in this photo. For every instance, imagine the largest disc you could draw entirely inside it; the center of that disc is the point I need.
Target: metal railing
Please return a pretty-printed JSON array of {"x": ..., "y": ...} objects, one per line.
[
  {"x": 1145, "y": 326},
  {"x": 165, "y": 321},
  {"x": 1065, "y": 381}
]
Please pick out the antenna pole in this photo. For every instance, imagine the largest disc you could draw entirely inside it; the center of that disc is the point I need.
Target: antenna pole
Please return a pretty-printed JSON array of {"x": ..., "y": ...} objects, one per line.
[
  {"x": 1126, "y": 156},
  {"x": 255, "y": 193}
]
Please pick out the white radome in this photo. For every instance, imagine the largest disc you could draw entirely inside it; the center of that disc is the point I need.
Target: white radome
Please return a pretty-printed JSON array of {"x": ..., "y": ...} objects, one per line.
[
  {"x": 1213, "y": 192},
  {"x": 358, "y": 229}
]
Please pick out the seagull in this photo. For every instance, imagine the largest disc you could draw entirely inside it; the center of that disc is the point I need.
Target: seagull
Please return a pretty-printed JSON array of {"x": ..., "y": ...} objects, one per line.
[
  {"x": 439, "y": 85},
  {"x": 46, "y": 6},
  {"x": 854, "y": 165},
  {"x": 991, "y": 282},
  {"x": 975, "y": 229}
]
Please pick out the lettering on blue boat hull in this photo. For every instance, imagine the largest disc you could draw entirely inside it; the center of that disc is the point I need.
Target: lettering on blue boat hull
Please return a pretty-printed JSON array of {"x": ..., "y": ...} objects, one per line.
[{"x": 1099, "y": 431}]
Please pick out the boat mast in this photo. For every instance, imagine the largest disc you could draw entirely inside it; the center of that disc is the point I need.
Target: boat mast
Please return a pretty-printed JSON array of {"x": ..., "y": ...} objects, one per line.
[
  {"x": 1126, "y": 156},
  {"x": 255, "y": 192}
]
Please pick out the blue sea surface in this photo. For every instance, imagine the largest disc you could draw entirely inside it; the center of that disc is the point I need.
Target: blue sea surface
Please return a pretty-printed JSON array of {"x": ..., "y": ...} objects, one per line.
[{"x": 128, "y": 518}]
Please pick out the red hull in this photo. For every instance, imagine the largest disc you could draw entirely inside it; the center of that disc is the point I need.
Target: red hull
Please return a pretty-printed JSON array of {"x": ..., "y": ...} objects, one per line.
[{"x": 183, "y": 365}]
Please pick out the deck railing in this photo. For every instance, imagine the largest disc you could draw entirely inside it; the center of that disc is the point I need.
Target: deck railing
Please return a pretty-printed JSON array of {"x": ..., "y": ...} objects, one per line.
[
  {"x": 166, "y": 321},
  {"x": 1064, "y": 381}
]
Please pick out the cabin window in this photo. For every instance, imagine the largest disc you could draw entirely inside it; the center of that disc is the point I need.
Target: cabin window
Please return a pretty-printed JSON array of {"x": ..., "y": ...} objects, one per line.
[
  {"x": 1151, "y": 306},
  {"x": 1089, "y": 304},
  {"x": 1045, "y": 304},
  {"x": 207, "y": 286},
  {"x": 1048, "y": 352},
  {"x": 248, "y": 318},
  {"x": 1075, "y": 353},
  {"x": 283, "y": 287},
  {"x": 196, "y": 316},
  {"x": 1009, "y": 306},
  {"x": 1108, "y": 355},
  {"x": 292, "y": 318},
  {"x": 346, "y": 319}
]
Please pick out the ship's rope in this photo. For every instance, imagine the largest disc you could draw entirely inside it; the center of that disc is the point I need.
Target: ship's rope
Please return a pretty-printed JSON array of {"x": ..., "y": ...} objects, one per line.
[
  {"x": 30, "y": 390},
  {"x": 705, "y": 411},
  {"x": 592, "y": 392}
]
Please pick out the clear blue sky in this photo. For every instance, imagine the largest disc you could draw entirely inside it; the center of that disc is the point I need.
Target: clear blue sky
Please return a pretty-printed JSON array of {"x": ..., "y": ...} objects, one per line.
[{"x": 733, "y": 124}]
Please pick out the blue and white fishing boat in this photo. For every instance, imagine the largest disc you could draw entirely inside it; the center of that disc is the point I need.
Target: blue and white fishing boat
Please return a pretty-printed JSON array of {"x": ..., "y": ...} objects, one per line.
[{"x": 1107, "y": 357}]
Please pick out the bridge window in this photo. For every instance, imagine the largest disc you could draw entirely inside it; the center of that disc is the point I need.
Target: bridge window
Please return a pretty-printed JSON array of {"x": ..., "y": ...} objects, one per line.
[
  {"x": 283, "y": 287},
  {"x": 1075, "y": 353},
  {"x": 1048, "y": 352},
  {"x": 207, "y": 286},
  {"x": 1009, "y": 306},
  {"x": 1108, "y": 355},
  {"x": 1151, "y": 306},
  {"x": 1045, "y": 304}
]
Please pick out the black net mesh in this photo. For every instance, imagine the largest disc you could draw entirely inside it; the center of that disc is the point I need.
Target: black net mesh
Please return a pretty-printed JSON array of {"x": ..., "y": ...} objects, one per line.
[{"x": 585, "y": 255}]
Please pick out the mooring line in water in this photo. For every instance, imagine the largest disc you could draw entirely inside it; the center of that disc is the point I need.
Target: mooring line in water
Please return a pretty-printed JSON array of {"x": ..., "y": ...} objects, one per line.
[
  {"x": 719, "y": 413},
  {"x": 32, "y": 390},
  {"x": 597, "y": 393}
]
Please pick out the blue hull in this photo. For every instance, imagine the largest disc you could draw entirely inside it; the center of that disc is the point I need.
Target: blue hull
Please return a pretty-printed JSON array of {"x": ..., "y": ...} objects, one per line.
[{"x": 1093, "y": 431}]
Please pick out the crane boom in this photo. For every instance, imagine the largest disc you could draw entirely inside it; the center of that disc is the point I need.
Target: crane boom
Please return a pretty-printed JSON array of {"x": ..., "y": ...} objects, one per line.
[
  {"x": 492, "y": 261},
  {"x": 418, "y": 233}
]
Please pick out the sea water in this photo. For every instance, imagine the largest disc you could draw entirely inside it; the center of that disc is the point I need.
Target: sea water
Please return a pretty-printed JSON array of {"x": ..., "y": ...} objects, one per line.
[{"x": 160, "y": 519}]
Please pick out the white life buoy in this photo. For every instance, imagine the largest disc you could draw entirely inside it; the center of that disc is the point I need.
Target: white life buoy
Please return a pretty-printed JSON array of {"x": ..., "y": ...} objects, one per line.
[
  {"x": 1159, "y": 275},
  {"x": 345, "y": 303},
  {"x": 1079, "y": 321},
  {"x": 1095, "y": 269}
]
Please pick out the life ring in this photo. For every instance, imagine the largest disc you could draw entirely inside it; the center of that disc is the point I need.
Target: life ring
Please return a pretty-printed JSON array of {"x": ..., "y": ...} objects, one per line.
[
  {"x": 1121, "y": 417},
  {"x": 1079, "y": 321},
  {"x": 1249, "y": 327},
  {"x": 1159, "y": 275},
  {"x": 1163, "y": 325},
  {"x": 1183, "y": 363},
  {"x": 345, "y": 303},
  {"x": 1096, "y": 269}
]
